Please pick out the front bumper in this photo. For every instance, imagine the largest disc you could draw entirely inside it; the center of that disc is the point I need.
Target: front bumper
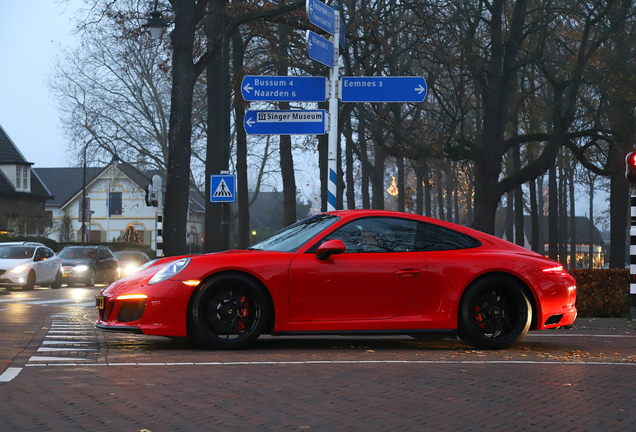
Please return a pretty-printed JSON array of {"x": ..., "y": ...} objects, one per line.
[{"x": 8, "y": 279}]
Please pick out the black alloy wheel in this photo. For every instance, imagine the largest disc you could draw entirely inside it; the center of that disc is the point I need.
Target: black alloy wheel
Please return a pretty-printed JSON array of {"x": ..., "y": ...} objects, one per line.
[
  {"x": 229, "y": 313},
  {"x": 495, "y": 313}
]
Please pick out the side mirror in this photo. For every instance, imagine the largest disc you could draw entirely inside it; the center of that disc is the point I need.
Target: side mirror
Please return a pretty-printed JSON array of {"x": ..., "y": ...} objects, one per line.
[{"x": 330, "y": 247}]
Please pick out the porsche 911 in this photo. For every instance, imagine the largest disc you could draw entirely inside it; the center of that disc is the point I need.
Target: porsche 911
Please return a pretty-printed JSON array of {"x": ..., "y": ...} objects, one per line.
[{"x": 348, "y": 272}]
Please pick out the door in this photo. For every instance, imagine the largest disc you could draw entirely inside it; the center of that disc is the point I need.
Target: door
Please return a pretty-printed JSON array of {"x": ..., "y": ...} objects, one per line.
[{"x": 377, "y": 277}]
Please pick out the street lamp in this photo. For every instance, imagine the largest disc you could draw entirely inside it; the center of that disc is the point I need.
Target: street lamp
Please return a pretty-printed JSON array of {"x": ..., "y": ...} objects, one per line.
[{"x": 156, "y": 23}]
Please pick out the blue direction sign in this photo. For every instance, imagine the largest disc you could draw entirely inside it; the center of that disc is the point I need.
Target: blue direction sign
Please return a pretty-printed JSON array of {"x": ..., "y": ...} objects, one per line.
[
  {"x": 319, "y": 49},
  {"x": 285, "y": 122},
  {"x": 321, "y": 15},
  {"x": 342, "y": 37},
  {"x": 284, "y": 88},
  {"x": 383, "y": 89},
  {"x": 223, "y": 188}
]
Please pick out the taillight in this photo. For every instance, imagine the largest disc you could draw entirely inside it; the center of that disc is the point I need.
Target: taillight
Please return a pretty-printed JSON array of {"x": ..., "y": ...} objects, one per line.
[{"x": 556, "y": 271}]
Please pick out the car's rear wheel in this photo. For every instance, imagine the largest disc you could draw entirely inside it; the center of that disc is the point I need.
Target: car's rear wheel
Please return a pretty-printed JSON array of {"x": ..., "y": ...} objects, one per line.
[
  {"x": 229, "y": 313},
  {"x": 30, "y": 282},
  {"x": 494, "y": 313},
  {"x": 57, "y": 283}
]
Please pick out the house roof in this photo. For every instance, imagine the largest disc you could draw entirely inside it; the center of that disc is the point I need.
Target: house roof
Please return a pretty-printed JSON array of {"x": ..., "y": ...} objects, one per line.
[
  {"x": 581, "y": 226},
  {"x": 9, "y": 153},
  {"x": 65, "y": 182}
]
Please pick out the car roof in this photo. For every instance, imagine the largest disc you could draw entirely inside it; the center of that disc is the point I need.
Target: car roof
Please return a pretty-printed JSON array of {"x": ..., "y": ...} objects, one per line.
[{"x": 22, "y": 243}]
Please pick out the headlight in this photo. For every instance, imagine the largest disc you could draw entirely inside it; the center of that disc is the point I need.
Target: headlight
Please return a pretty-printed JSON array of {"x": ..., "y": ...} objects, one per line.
[
  {"x": 18, "y": 269},
  {"x": 81, "y": 268},
  {"x": 130, "y": 269},
  {"x": 169, "y": 271}
]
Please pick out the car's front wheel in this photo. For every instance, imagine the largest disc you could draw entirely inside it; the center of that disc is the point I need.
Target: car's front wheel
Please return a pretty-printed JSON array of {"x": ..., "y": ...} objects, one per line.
[
  {"x": 494, "y": 313},
  {"x": 90, "y": 279},
  {"x": 229, "y": 312},
  {"x": 30, "y": 282}
]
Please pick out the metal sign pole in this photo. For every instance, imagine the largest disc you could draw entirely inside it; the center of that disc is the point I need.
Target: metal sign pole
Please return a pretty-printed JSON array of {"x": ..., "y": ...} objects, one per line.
[{"x": 332, "y": 178}]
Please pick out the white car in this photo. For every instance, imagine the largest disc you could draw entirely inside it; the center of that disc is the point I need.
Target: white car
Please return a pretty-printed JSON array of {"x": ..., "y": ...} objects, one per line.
[{"x": 26, "y": 264}]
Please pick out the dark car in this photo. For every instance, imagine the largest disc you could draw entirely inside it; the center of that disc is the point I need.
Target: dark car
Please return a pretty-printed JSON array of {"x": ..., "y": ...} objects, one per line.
[
  {"x": 88, "y": 265},
  {"x": 130, "y": 261}
]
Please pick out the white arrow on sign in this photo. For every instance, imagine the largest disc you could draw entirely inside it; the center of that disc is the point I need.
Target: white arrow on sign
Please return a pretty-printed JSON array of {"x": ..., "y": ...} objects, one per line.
[
  {"x": 248, "y": 88},
  {"x": 420, "y": 89},
  {"x": 250, "y": 122}
]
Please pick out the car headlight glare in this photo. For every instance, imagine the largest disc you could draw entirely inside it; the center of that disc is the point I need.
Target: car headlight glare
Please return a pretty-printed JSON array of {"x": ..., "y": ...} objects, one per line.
[
  {"x": 81, "y": 268},
  {"x": 19, "y": 269},
  {"x": 169, "y": 271}
]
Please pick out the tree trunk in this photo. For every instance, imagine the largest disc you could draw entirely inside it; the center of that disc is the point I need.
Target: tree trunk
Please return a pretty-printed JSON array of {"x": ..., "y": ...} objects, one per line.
[
  {"x": 400, "y": 183},
  {"x": 242, "y": 193},
  {"x": 553, "y": 214}
]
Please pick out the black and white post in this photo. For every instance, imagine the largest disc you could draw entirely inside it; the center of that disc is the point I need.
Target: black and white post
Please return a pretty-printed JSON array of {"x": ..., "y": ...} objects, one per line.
[
  {"x": 632, "y": 255},
  {"x": 157, "y": 186},
  {"x": 630, "y": 175}
]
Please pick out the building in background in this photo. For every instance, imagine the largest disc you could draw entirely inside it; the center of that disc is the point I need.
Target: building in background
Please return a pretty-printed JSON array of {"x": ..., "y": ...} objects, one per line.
[{"x": 22, "y": 193}]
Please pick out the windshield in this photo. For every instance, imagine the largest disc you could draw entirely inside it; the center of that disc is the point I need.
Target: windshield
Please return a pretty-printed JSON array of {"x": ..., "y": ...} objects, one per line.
[
  {"x": 77, "y": 253},
  {"x": 16, "y": 252},
  {"x": 291, "y": 238}
]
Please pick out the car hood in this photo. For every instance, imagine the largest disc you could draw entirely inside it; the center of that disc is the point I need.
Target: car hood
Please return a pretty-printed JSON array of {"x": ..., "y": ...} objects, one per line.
[
  {"x": 8, "y": 264},
  {"x": 76, "y": 261}
]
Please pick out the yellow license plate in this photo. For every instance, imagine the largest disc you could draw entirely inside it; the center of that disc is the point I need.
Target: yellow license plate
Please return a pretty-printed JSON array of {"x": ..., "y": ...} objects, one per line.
[{"x": 99, "y": 302}]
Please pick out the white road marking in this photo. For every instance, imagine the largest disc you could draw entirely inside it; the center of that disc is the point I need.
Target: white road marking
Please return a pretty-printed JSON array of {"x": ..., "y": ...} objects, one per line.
[
  {"x": 14, "y": 300},
  {"x": 9, "y": 374},
  {"x": 56, "y": 359},
  {"x": 46, "y": 349},
  {"x": 65, "y": 342},
  {"x": 346, "y": 362},
  {"x": 70, "y": 337},
  {"x": 580, "y": 335}
]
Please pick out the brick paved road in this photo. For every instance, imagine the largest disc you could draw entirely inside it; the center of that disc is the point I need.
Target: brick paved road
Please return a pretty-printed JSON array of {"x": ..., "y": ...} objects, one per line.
[{"x": 73, "y": 378}]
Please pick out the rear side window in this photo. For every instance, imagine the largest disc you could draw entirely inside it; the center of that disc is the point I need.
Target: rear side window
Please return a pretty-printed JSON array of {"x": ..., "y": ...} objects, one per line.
[{"x": 431, "y": 237}]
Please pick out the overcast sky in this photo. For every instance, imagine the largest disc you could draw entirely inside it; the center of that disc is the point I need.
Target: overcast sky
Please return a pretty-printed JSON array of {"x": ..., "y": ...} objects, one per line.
[{"x": 31, "y": 32}]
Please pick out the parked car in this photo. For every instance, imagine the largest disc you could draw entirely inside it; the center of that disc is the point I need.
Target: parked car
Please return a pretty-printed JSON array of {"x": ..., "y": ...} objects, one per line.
[
  {"x": 88, "y": 265},
  {"x": 348, "y": 272},
  {"x": 130, "y": 261},
  {"x": 26, "y": 264}
]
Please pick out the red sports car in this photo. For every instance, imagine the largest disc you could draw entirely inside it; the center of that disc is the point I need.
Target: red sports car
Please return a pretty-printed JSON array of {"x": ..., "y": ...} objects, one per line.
[{"x": 348, "y": 272}]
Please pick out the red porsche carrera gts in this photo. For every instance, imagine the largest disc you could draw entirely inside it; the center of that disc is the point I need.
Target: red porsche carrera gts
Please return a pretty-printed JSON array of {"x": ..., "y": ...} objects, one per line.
[{"x": 348, "y": 272}]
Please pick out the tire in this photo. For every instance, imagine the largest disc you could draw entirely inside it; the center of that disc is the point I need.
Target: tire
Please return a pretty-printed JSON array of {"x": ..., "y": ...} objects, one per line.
[
  {"x": 90, "y": 279},
  {"x": 228, "y": 313},
  {"x": 58, "y": 281},
  {"x": 30, "y": 281},
  {"x": 495, "y": 313}
]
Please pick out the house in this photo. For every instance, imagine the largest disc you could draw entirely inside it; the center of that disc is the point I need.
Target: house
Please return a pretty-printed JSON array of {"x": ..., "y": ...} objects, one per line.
[
  {"x": 581, "y": 236},
  {"x": 22, "y": 193},
  {"x": 115, "y": 199}
]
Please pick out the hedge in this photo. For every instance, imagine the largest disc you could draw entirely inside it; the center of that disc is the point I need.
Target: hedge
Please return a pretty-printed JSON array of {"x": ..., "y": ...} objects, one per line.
[{"x": 602, "y": 293}]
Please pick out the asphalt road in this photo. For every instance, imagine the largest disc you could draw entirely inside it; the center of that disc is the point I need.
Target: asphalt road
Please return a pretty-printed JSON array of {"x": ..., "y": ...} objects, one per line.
[{"x": 58, "y": 373}]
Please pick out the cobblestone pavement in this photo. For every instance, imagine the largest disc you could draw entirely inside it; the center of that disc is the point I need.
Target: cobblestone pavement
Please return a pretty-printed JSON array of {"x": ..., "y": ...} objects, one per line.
[{"x": 582, "y": 379}]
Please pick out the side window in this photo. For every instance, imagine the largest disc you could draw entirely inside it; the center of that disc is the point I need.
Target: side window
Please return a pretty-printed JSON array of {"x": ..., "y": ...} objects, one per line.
[
  {"x": 382, "y": 234},
  {"x": 40, "y": 254},
  {"x": 435, "y": 238},
  {"x": 101, "y": 254},
  {"x": 48, "y": 253}
]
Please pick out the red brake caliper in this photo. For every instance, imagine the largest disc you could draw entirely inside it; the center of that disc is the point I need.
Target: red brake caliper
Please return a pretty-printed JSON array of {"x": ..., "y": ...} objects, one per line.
[
  {"x": 244, "y": 311},
  {"x": 479, "y": 317}
]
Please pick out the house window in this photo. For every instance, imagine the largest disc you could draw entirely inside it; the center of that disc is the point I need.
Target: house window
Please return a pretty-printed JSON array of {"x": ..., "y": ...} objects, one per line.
[
  {"x": 18, "y": 177},
  {"x": 114, "y": 205},
  {"x": 25, "y": 178}
]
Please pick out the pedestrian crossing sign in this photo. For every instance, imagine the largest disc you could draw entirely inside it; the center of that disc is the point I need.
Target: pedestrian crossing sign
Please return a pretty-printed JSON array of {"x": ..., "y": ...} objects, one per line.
[{"x": 223, "y": 188}]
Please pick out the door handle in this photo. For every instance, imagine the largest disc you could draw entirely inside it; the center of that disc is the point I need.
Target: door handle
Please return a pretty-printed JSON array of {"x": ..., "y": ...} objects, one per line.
[{"x": 408, "y": 272}]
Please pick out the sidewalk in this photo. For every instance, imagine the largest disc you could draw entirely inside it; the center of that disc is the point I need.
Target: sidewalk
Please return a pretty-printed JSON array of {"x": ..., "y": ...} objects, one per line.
[{"x": 623, "y": 324}]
